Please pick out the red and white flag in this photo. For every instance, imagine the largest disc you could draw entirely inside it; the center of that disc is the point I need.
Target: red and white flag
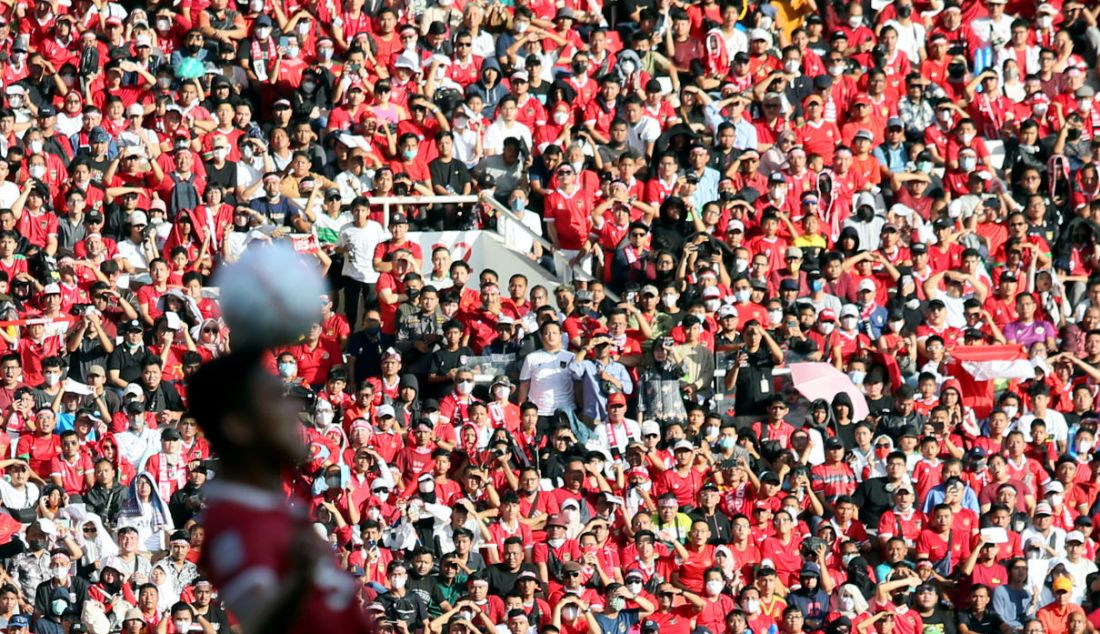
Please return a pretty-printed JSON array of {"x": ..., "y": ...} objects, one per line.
[{"x": 988, "y": 363}]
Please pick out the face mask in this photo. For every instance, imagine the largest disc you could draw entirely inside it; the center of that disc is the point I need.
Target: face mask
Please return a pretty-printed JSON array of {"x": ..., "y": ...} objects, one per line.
[
  {"x": 848, "y": 323},
  {"x": 629, "y": 67},
  {"x": 944, "y": 116},
  {"x": 670, "y": 300},
  {"x": 966, "y": 137},
  {"x": 37, "y": 171},
  {"x": 221, "y": 154},
  {"x": 741, "y": 265},
  {"x": 765, "y": 22},
  {"x": 826, "y": 327},
  {"x": 555, "y": 543},
  {"x": 836, "y": 70},
  {"x": 292, "y": 52},
  {"x": 325, "y": 53},
  {"x": 968, "y": 164},
  {"x": 309, "y": 86},
  {"x": 521, "y": 27},
  {"x": 58, "y": 606},
  {"x": 925, "y": 166},
  {"x": 15, "y": 101},
  {"x": 743, "y": 295},
  {"x": 302, "y": 28},
  {"x": 1045, "y": 22},
  {"x": 855, "y": 20},
  {"x": 857, "y": 376},
  {"x": 569, "y": 613},
  {"x": 774, "y": 316},
  {"x": 560, "y": 118},
  {"x": 616, "y": 603},
  {"x": 182, "y": 626},
  {"x": 163, "y": 25},
  {"x": 164, "y": 83},
  {"x": 901, "y": 599},
  {"x": 36, "y": 147},
  {"x": 465, "y": 387},
  {"x": 408, "y": 154},
  {"x": 1010, "y": 411},
  {"x": 1083, "y": 447},
  {"x": 752, "y": 606},
  {"x": 52, "y": 379},
  {"x": 817, "y": 286},
  {"x": 36, "y": 544},
  {"x": 263, "y": 32},
  {"x": 426, "y": 486},
  {"x": 713, "y": 305},
  {"x": 905, "y": 11},
  {"x": 896, "y": 326},
  {"x": 714, "y": 588},
  {"x": 460, "y": 123},
  {"x": 634, "y": 587},
  {"x": 847, "y": 559},
  {"x": 325, "y": 417},
  {"x": 287, "y": 370},
  {"x": 778, "y": 194},
  {"x": 398, "y": 583},
  {"x": 580, "y": 69},
  {"x": 792, "y": 66},
  {"x": 60, "y": 573},
  {"x": 382, "y": 497}
]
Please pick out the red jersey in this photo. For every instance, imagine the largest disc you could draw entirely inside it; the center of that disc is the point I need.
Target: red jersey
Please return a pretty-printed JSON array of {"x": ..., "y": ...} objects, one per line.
[{"x": 250, "y": 535}]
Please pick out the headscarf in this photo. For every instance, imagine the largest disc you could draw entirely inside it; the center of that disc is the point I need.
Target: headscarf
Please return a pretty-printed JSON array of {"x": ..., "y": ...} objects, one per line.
[{"x": 132, "y": 508}]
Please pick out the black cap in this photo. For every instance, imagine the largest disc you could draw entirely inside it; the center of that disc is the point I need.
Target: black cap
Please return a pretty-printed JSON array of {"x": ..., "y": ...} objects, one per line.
[
  {"x": 47, "y": 111},
  {"x": 132, "y": 326},
  {"x": 170, "y": 433},
  {"x": 135, "y": 407}
]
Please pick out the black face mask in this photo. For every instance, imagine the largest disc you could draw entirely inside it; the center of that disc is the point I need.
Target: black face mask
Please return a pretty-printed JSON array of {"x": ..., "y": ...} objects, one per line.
[
  {"x": 579, "y": 67},
  {"x": 865, "y": 214},
  {"x": 1073, "y": 134},
  {"x": 956, "y": 71},
  {"x": 901, "y": 599},
  {"x": 904, "y": 11}
]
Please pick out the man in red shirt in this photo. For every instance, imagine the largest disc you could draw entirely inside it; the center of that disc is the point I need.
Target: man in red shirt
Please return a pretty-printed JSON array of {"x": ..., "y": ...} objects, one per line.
[
  {"x": 72, "y": 468},
  {"x": 568, "y": 214},
  {"x": 41, "y": 446}
]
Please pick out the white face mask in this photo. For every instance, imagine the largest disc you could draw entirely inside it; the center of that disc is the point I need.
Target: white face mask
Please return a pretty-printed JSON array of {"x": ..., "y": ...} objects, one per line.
[
  {"x": 855, "y": 20},
  {"x": 221, "y": 153},
  {"x": 1055, "y": 499},
  {"x": 670, "y": 300},
  {"x": 944, "y": 116},
  {"x": 398, "y": 583},
  {"x": 743, "y": 295},
  {"x": 427, "y": 486},
  {"x": 263, "y": 32},
  {"x": 966, "y": 137},
  {"x": 302, "y": 28},
  {"x": 382, "y": 497},
  {"x": 1084, "y": 447},
  {"x": 15, "y": 101},
  {"x": 182, "y": 626},
  {"x": 569, "y": 613},
  {"x": 774, "y": 316},
  {"x": 60, "y": 573},
  {"x": 292, "y": 52},
  {"x": 324, "y": 418},
  {"x": 1010, "y": 411},
  {"x": 521, "y": 27},
  {"x": 896, "y": 326},
  {"x": 740, "y": 265},
  {"x": 52, "y": 379},
  {"x": 752, "y": 606},
  {"x": 713, "y": 305},
  {"x": 464, "y": 387},
  {"x": 37, "y": 171},
  {"x": 164, "y": 25},
  {"x": 847, "y": 604},
  {"x": 968, "y": 164},
  {"x": 848, "y": 323},
  {"x": 836, "y": 70},
  {"x": 555, "y": 543},
  {"x": 792, "y": 66},
  {"x": 1045, "y": 22},
  {"x": 500, "y": 392},
  {"x": 629, "y": 67},
  {"x": 635, "y": 587},
  {"x": 36, "y": 146},
  {"x": 560, "y": 118},
  {"x": 714, "y": 588}
]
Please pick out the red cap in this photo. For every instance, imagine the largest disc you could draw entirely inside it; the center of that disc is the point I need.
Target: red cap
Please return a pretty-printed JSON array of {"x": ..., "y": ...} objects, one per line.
[
  {"x": 114, "y": 21},
  {"x": 826, "y": 314},
  {"x": 861, "y": 98},
  {"x": 618, "y": 398}
]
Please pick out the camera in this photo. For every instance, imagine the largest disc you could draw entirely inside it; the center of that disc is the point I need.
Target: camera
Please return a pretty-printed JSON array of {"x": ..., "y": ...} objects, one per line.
[
  {"x": 401, "y": 189},
  {"x": 78, "y": 310}
]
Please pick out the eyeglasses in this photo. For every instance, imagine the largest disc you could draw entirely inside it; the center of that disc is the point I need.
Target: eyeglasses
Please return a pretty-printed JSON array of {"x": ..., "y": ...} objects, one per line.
[
  {"x": 212, "y": 331},
  {"x": 572, "y": 575},
  {"x": 637, "y": 234},
  {"x": 462, "y": 45}
]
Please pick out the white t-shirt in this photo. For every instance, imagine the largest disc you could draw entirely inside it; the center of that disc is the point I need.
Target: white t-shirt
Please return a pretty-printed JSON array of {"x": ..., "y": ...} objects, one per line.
[
  {"x": 498, "y": 131},
  {"x": 16, "y": 499},
  {"x": 642, "y": 133},
  {"x": 551, "y": 383},
  {"x": 358, "y": 261}
]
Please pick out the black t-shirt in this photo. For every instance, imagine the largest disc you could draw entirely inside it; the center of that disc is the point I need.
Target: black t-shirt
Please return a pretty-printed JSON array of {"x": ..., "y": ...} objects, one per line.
[
  {"x": 872, "y": 499},
  {"x": 988, "y": 623},
  {"x": 409, "y": 608},
  {"x": 127, "y": 363},
  {"x": 751, "y": 381},
  {"x": 939, "y": 622},
  {"x": 449, "y": 174},
  {"x": 501, "y": 580}
]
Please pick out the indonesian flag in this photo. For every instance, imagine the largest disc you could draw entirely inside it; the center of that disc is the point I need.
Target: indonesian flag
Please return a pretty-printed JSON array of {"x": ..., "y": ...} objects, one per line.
[
  {"x": 976, "y": 368},
  {"x": 987, "y": 363}
]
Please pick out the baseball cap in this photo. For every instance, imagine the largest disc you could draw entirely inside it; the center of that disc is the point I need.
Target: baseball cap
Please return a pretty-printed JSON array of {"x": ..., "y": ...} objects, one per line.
[
  {"x": 1062, "y": 584},
  {"x": 1075, "y": 536},
  {"x": 683, "y": 445}
]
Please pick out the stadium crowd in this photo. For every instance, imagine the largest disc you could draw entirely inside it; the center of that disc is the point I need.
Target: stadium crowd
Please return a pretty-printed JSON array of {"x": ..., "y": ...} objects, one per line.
[{"x": 726, "y": 189}]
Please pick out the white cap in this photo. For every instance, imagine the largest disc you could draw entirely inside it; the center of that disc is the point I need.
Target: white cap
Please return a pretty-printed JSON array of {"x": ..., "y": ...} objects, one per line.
[
  {"x": 143, "y": 40},
  {"x": 1054, "y": 486},
  {"x": 866, "y": 284},
  {"x": 683, "y": 444},
  {"x": 385, "y": 410},
  {"x": 1046, "y": 8},
  {"x": 1075, "y": 536},
  {"x": 136, "y": 109},
  {"x": 405, "y": 60},
  {"x": 735, "y": 224},
  {"x": 727, "y": 311},
  {"x": 650, "y": 427},
  {"x": 849, "y": 310},
  {"x": 133, "y": 389},
  {"x": 760, "y": 34},
  {"x": 138, "y": 218},
  {"x": 51, "y": 289},
  {"x": 15, "y": 89},
  {"x": 901, "y": 210},
  {"x": 712, "y": 291},
  {"x": 521, "y": 75}
]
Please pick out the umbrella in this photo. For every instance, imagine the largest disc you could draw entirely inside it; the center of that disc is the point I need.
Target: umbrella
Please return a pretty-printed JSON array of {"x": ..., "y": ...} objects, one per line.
[{"x": 824, "y": 381}]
